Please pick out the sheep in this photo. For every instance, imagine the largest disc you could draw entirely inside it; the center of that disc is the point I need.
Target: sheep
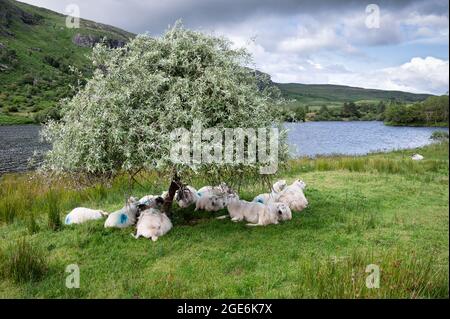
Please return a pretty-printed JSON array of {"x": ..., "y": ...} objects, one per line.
[
  {"x": 211, "y": 203},
  {"x": 294, "y": 197},
  {"x": 272, "y": 197},
  {"x": 152, "y": 224},
  {"x": 186, "y": 196},
  {"x": 257, "y": 214},
  {"x": 151, "y": 201},
  {"x": 80, "y": 215},
  {"x": 222, "y": 190},
  {"x": 279, "y": 186},
  {"x": 124, "y": 217},
  {"x": 417, "y": 157}
]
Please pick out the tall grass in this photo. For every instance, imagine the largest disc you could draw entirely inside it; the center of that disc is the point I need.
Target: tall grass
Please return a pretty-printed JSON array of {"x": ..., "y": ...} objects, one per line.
[
  {"x": 25, "y": 194},
  {"x": 374, "y": 164},
  {"x": 22, "y": 262},
  {"x": 53, "y": 210},
  {"x": 402, "y": 275}
]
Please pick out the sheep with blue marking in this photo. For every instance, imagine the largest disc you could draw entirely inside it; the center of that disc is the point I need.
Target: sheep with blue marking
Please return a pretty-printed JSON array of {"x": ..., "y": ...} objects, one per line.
[
  {"x": 271, "y": 197},
  {"x": 124, "y": 217}
]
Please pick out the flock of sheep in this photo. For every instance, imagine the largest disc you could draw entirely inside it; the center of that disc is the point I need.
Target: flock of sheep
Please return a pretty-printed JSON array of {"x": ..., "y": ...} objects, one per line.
[{"x": 151, "y": 223}]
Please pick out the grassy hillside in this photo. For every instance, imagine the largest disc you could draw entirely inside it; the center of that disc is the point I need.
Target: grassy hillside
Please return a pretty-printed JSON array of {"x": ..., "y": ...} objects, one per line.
[
  {"x": 316, "y": 95},
  {"x": 382, "y": 209},
  {"x": 36, "y": 50}
]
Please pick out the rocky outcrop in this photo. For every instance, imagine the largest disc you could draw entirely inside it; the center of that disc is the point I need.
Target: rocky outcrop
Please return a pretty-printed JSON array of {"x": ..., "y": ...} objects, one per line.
[{"x": 89, "y": 41}]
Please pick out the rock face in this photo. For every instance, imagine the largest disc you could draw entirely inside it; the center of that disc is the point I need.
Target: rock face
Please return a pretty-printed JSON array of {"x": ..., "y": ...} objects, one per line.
[
  {"x": 89, "y": 41},
  {"x": 10, "y": 13}
]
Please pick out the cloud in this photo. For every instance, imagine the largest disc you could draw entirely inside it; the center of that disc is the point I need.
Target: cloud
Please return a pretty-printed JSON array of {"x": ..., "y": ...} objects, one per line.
[
  {"x": 306, "y": 41},
  {"x": 419, "y": 75}
]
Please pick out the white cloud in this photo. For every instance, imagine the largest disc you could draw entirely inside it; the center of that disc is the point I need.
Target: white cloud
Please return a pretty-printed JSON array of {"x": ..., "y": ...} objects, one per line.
[{"x": 419, "y": 75}]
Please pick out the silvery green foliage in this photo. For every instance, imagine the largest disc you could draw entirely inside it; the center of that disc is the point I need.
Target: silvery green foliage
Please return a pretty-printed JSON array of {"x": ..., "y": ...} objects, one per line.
[{"x": 122, "y": 119}]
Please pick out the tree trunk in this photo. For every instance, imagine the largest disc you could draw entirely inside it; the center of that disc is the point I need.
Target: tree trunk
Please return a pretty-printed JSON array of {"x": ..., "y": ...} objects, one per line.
[{"x": 174, "y": 186}]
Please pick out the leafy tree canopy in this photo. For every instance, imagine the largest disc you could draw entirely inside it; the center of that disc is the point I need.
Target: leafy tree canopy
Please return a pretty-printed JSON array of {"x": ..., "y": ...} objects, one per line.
[{"x": 122, "y": 118}]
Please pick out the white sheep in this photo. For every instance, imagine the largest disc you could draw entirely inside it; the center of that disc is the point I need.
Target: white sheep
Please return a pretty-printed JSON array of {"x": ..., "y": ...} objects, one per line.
[
  {"x": 152, "y": 224},
  {"x": 211, "y": 203},
  {"x": 221, "y": 190},
  {"x": 271, "y": 197},
  {"x": 258, "y": 214},
  {"x": 417, "y": 157},
  {"x": 80, "y": 215},
  {"x": 124, "y": 217},
  {"x": 151, "y": 201},
  {"x": 294, "y": 197}
]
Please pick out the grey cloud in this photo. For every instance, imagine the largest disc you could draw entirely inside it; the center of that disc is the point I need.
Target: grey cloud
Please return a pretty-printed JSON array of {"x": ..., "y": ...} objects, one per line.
[{"x": 155, "y": 16}]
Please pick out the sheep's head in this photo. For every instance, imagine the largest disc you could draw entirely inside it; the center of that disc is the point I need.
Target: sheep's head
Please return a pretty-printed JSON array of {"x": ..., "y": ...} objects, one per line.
[
  {"x": 283, "y": 211},
  {"x": 279, "y": 186},
  {"x": 301, "y": 184},
  {"x": 185, "y": 197}
]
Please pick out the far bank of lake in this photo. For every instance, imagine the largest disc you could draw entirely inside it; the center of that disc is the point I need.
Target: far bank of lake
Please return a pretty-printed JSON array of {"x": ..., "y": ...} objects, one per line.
[{"x": 18, "y": 142}]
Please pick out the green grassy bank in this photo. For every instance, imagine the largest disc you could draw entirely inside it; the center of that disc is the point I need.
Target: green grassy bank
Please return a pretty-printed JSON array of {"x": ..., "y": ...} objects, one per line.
[{"x": 381, "y": 209}]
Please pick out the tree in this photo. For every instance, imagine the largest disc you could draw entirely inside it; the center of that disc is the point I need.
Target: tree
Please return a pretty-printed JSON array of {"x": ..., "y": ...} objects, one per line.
[
  {"x": 122, "y": 119},
  {"x": 350, "y": 110},
  {"x": 300, "y": 114}
]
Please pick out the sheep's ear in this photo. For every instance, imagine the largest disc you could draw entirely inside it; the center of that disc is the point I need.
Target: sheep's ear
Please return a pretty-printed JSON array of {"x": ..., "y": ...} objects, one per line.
[{"x": 159, "y": 200}]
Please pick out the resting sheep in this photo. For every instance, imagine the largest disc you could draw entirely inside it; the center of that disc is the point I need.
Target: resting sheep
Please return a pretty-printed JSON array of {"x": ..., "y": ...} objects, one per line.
[
  {"x": 417, "y": 157},
  {"x": 152, "y": 224},
  {"x": 294, "y": 197},
  {"x": 151, "y": 201},
  {"x": 222, "y": 190},
  {"x": 124, "y": 217},
  {"x": 211, "y": 203},
  {"x": 258, "y": 214},
  {"x": 272, "y": 197},
  {"x": 80, "y": 215},
  {"x": 186, "y": 196}
]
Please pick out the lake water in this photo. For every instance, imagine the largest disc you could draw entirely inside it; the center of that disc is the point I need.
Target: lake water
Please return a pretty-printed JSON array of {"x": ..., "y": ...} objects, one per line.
[
  {"x": 354, "y": 138},
  {"x": 17, "y": 145},
  {"x": 18, "y": 142}
]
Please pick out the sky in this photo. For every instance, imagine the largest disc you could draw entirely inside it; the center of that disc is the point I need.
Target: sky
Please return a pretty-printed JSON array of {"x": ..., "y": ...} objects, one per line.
[{"x": 392, "y": 45}]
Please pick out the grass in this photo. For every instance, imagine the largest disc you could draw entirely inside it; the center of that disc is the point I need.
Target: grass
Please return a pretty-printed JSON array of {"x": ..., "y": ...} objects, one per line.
[
  {"x": 381, "y": 209},
  {"x": 22, "y": 262},
  {"x": 6, "y": 119}
]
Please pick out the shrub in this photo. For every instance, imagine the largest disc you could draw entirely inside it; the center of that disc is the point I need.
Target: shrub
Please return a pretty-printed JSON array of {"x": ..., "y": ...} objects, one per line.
[
  {"x": 21, "y": 262},
  {"x": 439, "y": 136},
  {"x": 12, "y": 109},
  {"x": 47, "y": 114}
]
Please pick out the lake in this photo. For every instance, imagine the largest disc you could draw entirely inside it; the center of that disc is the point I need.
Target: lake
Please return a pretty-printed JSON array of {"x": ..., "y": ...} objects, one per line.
[
  {"x": 18, "y": 142},
  {"x": 354, "y": 138},
  {"x": 17, "y": 145}
]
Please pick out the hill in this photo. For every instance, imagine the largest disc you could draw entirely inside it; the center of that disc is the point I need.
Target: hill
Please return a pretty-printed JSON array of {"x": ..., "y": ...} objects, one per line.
[
  {"x": 316, "y": 95},
  {"x": 36, "y": 52}
]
